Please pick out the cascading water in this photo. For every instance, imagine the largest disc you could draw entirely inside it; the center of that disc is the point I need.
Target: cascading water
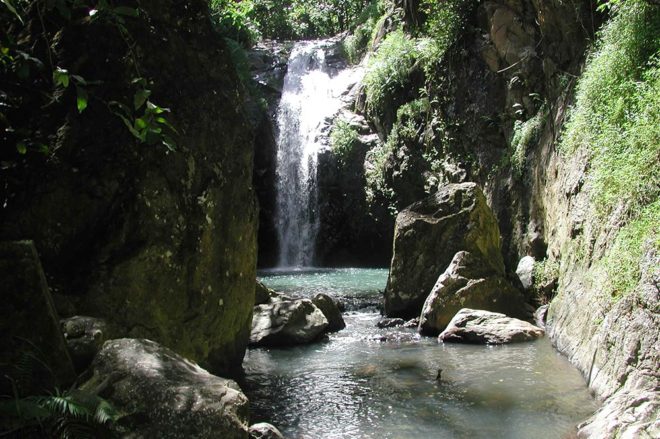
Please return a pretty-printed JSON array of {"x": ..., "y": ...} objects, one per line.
[{"x": 311, "y": 94}]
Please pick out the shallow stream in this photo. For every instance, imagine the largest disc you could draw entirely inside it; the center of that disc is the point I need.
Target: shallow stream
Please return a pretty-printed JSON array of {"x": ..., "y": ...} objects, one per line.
[{"x": 366, "y": 382}]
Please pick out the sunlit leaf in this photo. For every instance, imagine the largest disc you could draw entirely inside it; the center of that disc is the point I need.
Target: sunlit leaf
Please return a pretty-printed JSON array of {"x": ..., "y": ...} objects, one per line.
[{"x": 81, "y": 99}]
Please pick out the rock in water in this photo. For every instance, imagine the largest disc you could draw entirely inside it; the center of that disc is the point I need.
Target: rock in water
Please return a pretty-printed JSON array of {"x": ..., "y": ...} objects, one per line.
[
  {"x": 29, "y": 325},
  {"x": 264, "y": 430},
  {"x": 262, "y": 294},
  {"x": 84, "y": 338},
  {"x": 427, "y": 236},
  {"x": 163, "y": 395},
  {"x": 485, "y": 327},
  {"x": 468, "y": 282},
  {"x": 390, "y": 322},
  {"x": 330, "y": 309},
  {"x": 288, "y": 322},
  {"x": 525, "y": 272}
]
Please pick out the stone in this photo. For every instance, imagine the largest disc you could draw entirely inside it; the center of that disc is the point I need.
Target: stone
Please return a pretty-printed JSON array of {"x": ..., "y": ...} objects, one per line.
[
  {"x": 485, "y": 327},
  {"x": 287, "y": 322},
  {"x": 330, "y": 309},
  {"x": 263, "y": 430},
  {"x": 525, "y": 272},
  {"x": 84, "y": 337},
  {"x": 29, "y": 325},
  {"x": 427, "y": 236},
  {"x": 540, "y": 315},
  {"x": 412, "y": 323},
  {"x": 390, "y": 322},
  {"x": 161, "y": 394},
  {"x": 469, "y": 282},
  {"x": 263, "y": 294}
]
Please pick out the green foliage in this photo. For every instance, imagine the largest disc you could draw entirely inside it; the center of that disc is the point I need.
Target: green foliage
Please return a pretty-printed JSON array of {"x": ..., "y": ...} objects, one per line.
[
  {"x": 389, "y": 69},
  {"x": 30, "y": 83},
  {"x": 525, "y": 135},
  {"x": 248, "y": 20},
  {"x": 622, "y": 262},
  {"x": 68, "y": 414},
  {"x": 616, "y": 119},
  {"x": 408, "y": 131},
  {"x": 343, "y": 139},
  {"x": 544, "y": 274},
  {"x": 356, "y": 44}
]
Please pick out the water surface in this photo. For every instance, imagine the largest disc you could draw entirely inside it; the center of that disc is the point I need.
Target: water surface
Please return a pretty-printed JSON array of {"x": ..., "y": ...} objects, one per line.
[{"x": 365, "y": 382}]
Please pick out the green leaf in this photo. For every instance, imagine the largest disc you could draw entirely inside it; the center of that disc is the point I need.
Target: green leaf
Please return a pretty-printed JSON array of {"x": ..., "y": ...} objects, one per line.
[
  {"x": 12, "y": 9},
  {"x": 141, "y": 97},
  {"x": 21, "y": 147},
  {"x": 140, "y": 123},
  {"x": 82, "y": 98},
  {"x": 61, "y": 77},
  {"x": 79, "y": 79}
]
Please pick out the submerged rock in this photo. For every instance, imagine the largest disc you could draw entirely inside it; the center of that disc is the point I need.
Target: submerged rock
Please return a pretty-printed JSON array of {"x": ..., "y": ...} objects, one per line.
[
  {"x": 390, "y": 322},
  {"x": 485, "y": 327},
  {"x": 468, "y": 282},
  {"x": 264, "y": 430},
  {"x": 84, "y": 338},
  {"x": 287, "y": 322},
  {"x": 331, "y": 311},
  {"x": 427, "y": 236},
  {"x": 161, "y": 394}
]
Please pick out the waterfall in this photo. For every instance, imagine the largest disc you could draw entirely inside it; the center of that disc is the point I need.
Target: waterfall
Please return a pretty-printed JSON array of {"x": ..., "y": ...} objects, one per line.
[{"x": 310, "y": 97}]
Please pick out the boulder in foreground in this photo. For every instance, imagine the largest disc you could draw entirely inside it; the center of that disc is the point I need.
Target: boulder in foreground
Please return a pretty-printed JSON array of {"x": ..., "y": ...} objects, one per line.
[
  {"x": 287, "y": 322},
  {"x": 264, "y": 430},
  {"x": 427, "y": 236},
  {"x": 485, "y": 327},
  {"x": 469, "y": 282},
  {"x": 163, "y": 395}
]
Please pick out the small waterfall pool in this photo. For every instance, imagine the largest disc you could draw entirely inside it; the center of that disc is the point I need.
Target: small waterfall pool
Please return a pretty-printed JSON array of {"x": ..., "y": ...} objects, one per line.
[{"x": 366, "y": 382}]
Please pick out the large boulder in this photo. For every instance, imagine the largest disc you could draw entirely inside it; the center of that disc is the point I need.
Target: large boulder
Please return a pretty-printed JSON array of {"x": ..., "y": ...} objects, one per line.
[
  {"x": 158, "y": 242},
  {"x": 331, "y": 311},
  {"x": 262, "y": 294},
  {"x": 525, "y": 272},
  {"x": 485, "y": 327},
  {"x": 427, "y": 236},
  {"x": 468, "y": 282},
  {"x": 287, "y": 322},
  {"x": 161, "y": 394},
  {"x": 33, "y": 353}
]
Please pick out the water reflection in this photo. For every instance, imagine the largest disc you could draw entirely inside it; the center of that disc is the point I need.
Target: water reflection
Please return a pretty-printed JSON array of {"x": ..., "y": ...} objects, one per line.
[{"x": 354, "y": 386}]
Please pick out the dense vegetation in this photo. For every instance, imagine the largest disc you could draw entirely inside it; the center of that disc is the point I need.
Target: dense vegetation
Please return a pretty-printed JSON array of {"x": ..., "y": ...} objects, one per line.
[
  {"x": 616, "y": 118},
  {"x": 249, "y": 20}
]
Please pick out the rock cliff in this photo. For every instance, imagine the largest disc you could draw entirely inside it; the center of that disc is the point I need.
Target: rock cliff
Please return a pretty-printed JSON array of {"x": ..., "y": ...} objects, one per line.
[{"x": 160, "y": 243}]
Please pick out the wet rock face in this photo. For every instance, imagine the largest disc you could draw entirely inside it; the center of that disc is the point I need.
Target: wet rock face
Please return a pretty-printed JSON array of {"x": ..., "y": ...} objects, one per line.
[
  {"x": 159, "y": 243},
  {"x": 427, "y": 236},
  {"x": 468, "y": 282},
  {"x": 161, "y": 394},
  {"x": 483, "y": 327},
  {"x": 287, "y": 322}
]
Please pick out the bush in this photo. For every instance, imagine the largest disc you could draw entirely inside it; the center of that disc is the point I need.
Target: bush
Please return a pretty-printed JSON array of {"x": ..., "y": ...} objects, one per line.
[
  {"x": 525, "y": 135},
  {"x": 388, "y": 70},
  {"x": 343, "y": 139}
]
